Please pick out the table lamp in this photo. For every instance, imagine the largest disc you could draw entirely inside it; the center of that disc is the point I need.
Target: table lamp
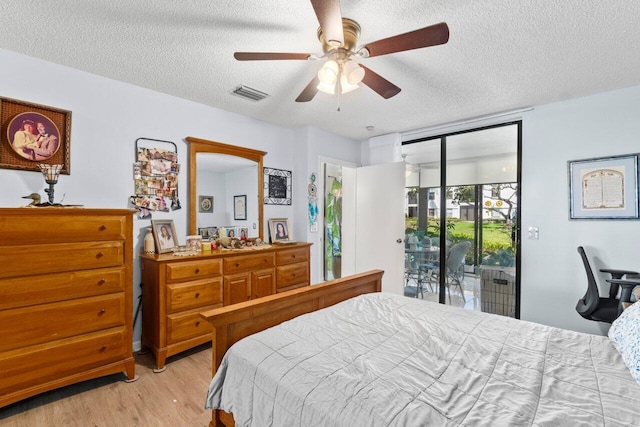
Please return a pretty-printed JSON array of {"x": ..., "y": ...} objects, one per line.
[{"x": 51, "y": 174}]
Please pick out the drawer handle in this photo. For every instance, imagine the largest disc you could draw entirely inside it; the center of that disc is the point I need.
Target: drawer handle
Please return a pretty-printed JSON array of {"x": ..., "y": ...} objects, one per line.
[
  {"x": 197, "y": 270},
  {"x": 237, "y": 264},
  {"x": 293, "y": 256},
  {"x": 101, "y": 312},
  {"x": 197, "y": 323},
  {"x": 102, "y": 227},
  {"x": 99, "y": 255},
  {"x": 103, "y": 349},
  {"x": 101, "y": 282},
  {"x": 197, "y": 294}
]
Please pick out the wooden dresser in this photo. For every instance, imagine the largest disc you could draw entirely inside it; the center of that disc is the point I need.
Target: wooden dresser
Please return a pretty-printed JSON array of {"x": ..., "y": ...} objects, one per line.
[
  {"x": 175, "y": 290},
  {"x": 65, "y": 297}
]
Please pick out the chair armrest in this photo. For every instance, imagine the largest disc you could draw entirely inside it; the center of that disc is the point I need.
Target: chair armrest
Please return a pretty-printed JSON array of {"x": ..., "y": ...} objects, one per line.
[
  {"x": 627, "y": 287},
  {"x": 623, "y": 282},
  {"x": 617, "y": 274}
]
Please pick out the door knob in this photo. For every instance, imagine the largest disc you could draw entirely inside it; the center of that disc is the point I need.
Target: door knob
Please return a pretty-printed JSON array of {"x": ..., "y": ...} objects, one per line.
[{"x": 399, "y": 241}]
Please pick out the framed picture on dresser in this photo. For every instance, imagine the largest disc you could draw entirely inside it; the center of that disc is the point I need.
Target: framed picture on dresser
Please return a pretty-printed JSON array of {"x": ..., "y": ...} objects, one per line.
[
  {"x": 279, "y": 230},
  {"x": 164, "y": 233}
]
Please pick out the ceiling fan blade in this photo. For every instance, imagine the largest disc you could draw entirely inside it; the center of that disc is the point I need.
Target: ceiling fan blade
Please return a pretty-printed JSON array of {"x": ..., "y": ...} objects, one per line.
[
  {"x": 379, "y": 84},
  {"x": 310, "y": 91},
  {"x": 330, "y": 19},
  {"x": 428, "y": 36},
  {"x": 267, "y": 56}
]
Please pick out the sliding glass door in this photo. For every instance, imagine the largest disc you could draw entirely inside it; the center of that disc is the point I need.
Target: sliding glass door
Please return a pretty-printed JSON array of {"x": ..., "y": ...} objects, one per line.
[{"x": 466, "y": 206}]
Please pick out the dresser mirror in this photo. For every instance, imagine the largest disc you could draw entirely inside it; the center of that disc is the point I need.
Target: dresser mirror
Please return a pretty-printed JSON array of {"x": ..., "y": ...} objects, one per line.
[{"x": 219, "y": 175}]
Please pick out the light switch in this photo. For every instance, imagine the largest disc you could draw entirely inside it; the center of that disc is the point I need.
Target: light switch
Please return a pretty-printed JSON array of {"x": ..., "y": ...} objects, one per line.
[
  {"x": 534, "y": 233},
  {"x": 254, "y": 225}
]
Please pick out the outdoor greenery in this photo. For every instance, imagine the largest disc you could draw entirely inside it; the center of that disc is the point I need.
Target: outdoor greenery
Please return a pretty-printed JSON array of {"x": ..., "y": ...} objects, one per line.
[
  {"x": 499, "y": 211},
  {"x": 497, "y": 245},
  {"x": 333, "y": 242}
]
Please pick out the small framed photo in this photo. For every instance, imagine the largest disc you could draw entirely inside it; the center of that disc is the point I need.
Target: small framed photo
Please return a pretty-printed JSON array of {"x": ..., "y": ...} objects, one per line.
[
  {"x": 230, "y": 232},
  {"x": 240, "y": 207},
  {"x": 604, "y": 188},
  {"x": 279, "y": 229},
  {"x": 205, "y": 204},
  {"x": 164, "y": 234},
  {"x": 244, "y": 233}
]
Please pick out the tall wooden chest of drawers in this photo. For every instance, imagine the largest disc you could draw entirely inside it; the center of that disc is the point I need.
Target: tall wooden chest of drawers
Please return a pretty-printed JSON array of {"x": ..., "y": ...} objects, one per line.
[
  {"x": 175, "y": 290},
  {"x": 65, "y": 297}
]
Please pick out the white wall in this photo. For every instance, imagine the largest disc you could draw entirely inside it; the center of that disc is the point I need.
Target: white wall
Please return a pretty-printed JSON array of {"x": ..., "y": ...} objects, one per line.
[
  {"x": 108, "y": 116},
  {"x": 553, "y": 277}
]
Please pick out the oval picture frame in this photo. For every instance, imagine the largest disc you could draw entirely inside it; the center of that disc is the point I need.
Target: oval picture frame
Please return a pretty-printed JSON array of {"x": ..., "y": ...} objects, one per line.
[{"x": 39, "y": 143}]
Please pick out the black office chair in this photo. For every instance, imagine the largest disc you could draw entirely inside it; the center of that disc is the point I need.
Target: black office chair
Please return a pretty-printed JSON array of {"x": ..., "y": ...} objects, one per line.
[{"x": 594, "y": 307}]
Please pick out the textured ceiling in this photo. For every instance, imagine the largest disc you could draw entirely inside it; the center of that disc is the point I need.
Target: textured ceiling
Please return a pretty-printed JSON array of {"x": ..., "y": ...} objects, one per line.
[{"x": 501, "y": 55}]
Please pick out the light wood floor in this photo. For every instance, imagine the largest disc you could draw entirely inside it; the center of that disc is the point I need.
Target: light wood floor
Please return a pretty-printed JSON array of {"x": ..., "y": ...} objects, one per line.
[{"x": 174, "y": 397}]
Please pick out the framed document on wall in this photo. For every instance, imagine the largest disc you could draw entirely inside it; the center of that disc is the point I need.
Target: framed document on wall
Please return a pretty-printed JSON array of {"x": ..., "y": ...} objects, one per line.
[
  {"x": 240, "y": 207},
  {"x": 604, "y": 188}
]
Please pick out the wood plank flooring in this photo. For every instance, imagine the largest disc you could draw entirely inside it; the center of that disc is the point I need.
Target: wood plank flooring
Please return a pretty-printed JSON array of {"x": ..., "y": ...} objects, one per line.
[{"x": 174, "y": 397}]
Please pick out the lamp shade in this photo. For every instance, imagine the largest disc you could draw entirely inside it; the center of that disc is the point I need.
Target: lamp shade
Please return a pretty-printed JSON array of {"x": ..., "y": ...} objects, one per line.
[
  {"x": 328, "y": 74},
  {"x": 346, "y": 86},
  {"x": 327, "y": 88},
  {"x": 353, "y": 72}
]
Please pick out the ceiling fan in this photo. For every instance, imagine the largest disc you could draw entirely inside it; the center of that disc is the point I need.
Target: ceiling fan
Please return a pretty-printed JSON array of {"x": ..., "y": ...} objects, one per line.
[{"x": 339, "y": 36}]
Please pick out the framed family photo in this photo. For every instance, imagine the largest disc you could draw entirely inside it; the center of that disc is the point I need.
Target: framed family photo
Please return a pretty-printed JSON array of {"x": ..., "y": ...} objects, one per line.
[
  {"x": 604, "y": 188},
  {"x": 279, "y": 229},
  {"x": 34, "y": 134},
  {"x": 164, "y": 234}
]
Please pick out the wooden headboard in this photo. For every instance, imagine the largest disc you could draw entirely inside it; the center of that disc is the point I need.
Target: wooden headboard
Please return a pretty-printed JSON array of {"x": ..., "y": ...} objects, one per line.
[{"x": 234, "y": 322}]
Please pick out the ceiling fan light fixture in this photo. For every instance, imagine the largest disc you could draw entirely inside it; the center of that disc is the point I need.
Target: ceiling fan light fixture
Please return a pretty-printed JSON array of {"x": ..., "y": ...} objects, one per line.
[
  {"x": 354, "y": 73},
  {"x": 327, "y": 88},
  {"x": 328, "y": 74},
  {"x": 346, "y": 86}
]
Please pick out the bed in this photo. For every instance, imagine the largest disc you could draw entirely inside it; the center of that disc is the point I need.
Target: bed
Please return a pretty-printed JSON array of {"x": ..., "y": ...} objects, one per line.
[{"x": 359, "y": 357}]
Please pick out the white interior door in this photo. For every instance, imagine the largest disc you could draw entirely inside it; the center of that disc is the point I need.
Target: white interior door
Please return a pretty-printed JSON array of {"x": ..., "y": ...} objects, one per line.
[{"x": 380, "y": 222}]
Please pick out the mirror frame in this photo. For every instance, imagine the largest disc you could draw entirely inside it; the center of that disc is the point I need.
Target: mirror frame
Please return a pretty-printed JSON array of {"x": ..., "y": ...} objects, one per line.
[{"x": 196, "y": 146}]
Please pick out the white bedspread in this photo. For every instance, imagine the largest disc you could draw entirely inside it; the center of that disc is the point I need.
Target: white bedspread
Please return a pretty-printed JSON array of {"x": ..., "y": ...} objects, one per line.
[{"x": 386, "y": 360}]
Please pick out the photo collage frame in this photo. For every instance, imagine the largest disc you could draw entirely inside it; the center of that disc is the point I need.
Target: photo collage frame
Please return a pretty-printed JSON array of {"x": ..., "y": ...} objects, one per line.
[{"x": 155, "y": 175}]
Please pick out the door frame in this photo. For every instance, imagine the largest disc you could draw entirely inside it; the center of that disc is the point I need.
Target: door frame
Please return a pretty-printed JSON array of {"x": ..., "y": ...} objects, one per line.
[{"x": 322, "y": 161}]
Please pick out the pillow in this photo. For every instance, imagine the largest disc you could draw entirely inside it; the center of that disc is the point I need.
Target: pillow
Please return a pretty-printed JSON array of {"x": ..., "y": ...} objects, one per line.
[{"x": 625, "y": 337}]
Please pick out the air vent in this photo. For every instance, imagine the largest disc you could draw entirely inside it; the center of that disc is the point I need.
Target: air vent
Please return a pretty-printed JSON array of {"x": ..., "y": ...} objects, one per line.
[{"x": 249, "y": 93}]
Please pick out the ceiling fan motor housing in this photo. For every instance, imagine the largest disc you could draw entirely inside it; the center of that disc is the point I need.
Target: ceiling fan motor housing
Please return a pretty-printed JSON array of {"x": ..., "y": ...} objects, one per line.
[{"x": 351, "y": 31}]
